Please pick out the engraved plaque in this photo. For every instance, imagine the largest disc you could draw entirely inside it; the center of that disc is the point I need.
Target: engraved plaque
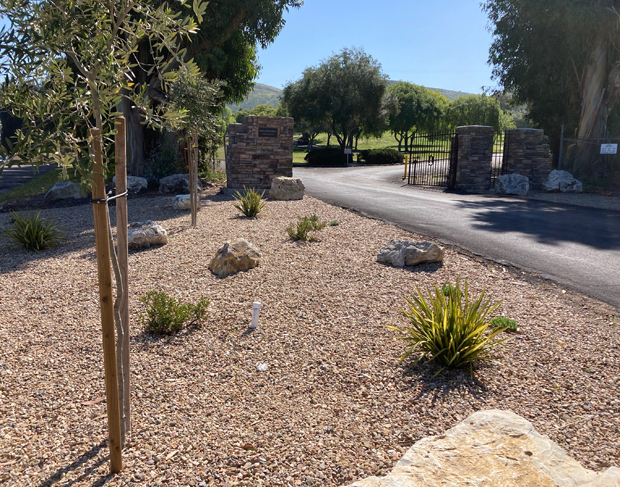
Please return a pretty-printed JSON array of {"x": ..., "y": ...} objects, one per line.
[{"x": 267, "y": 132}]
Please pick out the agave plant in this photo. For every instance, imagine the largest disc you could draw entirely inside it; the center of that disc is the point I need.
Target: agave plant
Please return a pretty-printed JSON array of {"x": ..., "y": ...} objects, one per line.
[
  {"x": 251, "y": 203},
  {"x": 450, "y": 328}
]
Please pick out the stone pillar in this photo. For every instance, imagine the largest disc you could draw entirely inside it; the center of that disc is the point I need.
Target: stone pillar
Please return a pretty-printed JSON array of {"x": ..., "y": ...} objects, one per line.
[
  {"x": 527, "y": 153},
  {"x": 475, "y": 154},
  {"x": 258, "y": 150}
]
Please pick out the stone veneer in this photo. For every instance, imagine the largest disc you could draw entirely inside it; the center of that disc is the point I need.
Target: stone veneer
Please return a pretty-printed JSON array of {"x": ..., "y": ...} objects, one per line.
[
  {"x": 474, "y": 157},
  {"x": 528, "y": 154},
  {"x": 258, "y": 150}
]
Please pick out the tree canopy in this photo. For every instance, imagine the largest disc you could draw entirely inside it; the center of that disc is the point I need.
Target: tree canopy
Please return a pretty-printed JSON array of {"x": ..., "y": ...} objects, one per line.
[{"x": 478, "y": 110}]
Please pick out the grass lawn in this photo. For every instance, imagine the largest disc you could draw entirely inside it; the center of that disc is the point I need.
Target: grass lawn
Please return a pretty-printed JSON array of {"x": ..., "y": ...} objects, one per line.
[{"x": 35, "y": 187}]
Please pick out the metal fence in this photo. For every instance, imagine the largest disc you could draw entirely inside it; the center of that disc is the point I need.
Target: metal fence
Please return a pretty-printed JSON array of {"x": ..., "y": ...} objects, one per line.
[
  {"x": 431, "y": 159},
  {"x": 599, "y": 156},
  {"x": 499, "y": 159}
]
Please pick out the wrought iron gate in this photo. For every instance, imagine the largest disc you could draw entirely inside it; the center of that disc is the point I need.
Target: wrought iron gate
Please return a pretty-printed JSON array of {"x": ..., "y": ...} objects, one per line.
[
  {"x": 432, "y": 160},
  {"x": 499, "y": 162}
]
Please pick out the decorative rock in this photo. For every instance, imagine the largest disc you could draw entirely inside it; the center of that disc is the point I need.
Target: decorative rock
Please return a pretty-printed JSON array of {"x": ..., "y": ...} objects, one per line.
[
  {"x": 145, "y": 234},
  {"x": 177, "y": 183},
  {"x": 283, "y": 188},
  {"x": 64, "y": 190},
  {"x": 234, "y": 257},
  {"x": 182, "y": 202},
  {"x": 135, "y": 184},
  {"x": 512, "y": 184},
  {"x": 490, "y": 448},
  {"x": 563, "y": 182},
  {"x": 402, "y": 253}
]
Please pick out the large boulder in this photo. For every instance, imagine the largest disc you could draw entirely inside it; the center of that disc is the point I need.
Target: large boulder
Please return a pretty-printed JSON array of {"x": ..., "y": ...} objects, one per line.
[
  {"x": 146, "y": 234},
  {"x": 177, "y": 183},
  {"x": 562, "y": 182},
  {"x": 182, "y": 202},
  {"x": 512, "y": 184},
  {"x": 135, "y": 184},
  {"x": 64, "y": 190},
  {"x": 402, "y": 253},
  {"x": 283, "y": 188},
  {"x": 488, "y": 449},
  {"x": 231, "y": 258}
]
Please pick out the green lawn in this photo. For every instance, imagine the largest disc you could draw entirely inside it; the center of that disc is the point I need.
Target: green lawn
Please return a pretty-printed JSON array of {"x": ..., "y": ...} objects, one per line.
[{"x": 39, "y": 185}]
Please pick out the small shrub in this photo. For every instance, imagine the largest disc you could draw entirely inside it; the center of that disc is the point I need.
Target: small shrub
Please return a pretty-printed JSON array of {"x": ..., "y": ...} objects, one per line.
[
  {"x": 452, "y": 329},
  {"x": 381, "y": 156},
  {"x": 332, "y": 156},
  {"x": 251, "y": 203},
  {"x": 33, "y": 232},
  {"x": 334, "y": 223},
  {"x": 165, "y": 162},
  {"x": 447, "y": 289},
  {"x": 305, "y": 225},
  {"x": 165, "y": 315},
  {"x": 503, "y": 322}
]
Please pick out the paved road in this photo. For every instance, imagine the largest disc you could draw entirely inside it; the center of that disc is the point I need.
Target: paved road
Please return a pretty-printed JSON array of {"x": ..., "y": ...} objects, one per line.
[
  {"x": 576, "y": 246},
  {"x": 14, "y": 176}
]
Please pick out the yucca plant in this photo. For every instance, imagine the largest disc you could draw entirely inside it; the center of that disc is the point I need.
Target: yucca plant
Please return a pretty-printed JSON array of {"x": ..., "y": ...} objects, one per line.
[
  {"x": 251, "y": 203},
  {"x": 450, "y": 329},
  {"x": 33, "y": 232}
]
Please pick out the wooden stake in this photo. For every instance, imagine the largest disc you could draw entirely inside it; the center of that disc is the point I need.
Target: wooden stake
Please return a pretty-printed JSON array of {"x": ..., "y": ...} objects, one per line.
[
  {"x": 100, "y": 213},
  {"x": 120, "y": 144},
  {"x": 193, "y": 179}
]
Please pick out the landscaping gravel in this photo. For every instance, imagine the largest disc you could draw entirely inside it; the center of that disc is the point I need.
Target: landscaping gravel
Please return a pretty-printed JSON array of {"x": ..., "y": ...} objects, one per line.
[{"x": 332, "y": 404}]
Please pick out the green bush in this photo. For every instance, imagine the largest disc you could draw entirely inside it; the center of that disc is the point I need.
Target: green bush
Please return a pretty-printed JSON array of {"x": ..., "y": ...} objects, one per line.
[
  {"x": 452, "y": 329},
  {"x": 251, "y": 203},
  {"x": 33, "y": 232},
  {"x": 332, "y": 156},
  {"x": 165, "y": 315},
  {"x": 447, "y": 289},
  {"x": 305, "y": 225},
  {"x": 381, "y": 156},
  {"x": 163, "y": 163},
  {"x": 334, "y": 223},
  {"x": 503, "y": 322}
]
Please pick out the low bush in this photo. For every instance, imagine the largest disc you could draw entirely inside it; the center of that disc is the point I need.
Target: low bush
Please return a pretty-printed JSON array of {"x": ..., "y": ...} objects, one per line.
[
  {"x": 332, "y": 156},
  {"x": 165, "y": 315},
  {"x": 250, "y": 203},
  {"x": 304, "y": 226},
  {"x": 334, "y": 223},
  {"x": 450, "y": 329},
  {"x": 33, "y": 232},
  {"x": 381, "y": 156},
  {"x": 503, "y": 322}
]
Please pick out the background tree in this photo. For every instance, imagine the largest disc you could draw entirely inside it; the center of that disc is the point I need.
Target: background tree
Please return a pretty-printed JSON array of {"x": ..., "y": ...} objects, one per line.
[
  {"x": 258, "y": 110},
  {"x": 561, "y": 57},
  {"x": 478, "y": 110},
  {"x": 310, "y": 120},
  {"x": 417, "y": 109}
]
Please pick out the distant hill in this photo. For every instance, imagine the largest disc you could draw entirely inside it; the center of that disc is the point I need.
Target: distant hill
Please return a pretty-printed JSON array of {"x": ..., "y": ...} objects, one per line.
[{"x": 270, "y": 95}]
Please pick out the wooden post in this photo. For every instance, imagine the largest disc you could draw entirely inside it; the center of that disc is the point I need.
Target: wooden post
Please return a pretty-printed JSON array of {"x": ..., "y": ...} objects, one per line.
[
  {"x": 120, "y": 144},
  {"x": 193, "y": 179},
  {"x": 100, "y": 212}
]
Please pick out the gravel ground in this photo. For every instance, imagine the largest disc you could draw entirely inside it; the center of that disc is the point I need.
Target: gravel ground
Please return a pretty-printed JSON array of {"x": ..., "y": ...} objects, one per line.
[{"x": 334, "y": 404}]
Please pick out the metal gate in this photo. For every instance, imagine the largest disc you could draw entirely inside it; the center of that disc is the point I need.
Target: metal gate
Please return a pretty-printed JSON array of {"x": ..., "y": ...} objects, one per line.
[
  {"x": 499, "y": 162},
  {"x": 432, "y": 160}
]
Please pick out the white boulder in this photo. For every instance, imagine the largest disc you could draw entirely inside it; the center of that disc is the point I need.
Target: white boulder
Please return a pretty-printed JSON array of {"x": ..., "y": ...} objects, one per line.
[
  {"x": 563, "y": 182},
  {"x": 135, "y": 184},
  {"x": 283, "y": 188},
  {"x": 177, "y": 183},
  {"x": 231, "y": 258},
  {"x": 146, "y": 234},
  {"x": 182, "y": 202},
  {"x": 512, "y": 184},
  {"x": 402, "y": 253},
  {"x": 64, "y": 190}
]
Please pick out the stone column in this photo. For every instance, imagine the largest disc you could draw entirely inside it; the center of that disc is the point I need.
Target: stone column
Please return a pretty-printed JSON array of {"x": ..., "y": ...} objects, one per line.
[
  {"x": 527, "y": 153},
  {"x": 475, "y": 154}
]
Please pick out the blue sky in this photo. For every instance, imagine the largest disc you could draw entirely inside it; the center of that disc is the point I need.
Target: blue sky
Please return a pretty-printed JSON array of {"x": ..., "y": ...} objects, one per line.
[{"x": 436, "y": 43}]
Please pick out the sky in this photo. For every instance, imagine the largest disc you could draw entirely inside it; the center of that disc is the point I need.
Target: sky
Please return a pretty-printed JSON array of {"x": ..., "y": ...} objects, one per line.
[{"x": 437, "y": 43}]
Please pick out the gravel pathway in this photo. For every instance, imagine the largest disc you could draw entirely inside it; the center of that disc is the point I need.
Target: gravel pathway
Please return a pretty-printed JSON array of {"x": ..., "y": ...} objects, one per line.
[{"x": 333, "y": 405}]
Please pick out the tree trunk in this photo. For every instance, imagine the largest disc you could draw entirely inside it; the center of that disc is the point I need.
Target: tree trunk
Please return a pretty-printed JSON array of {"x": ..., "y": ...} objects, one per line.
[
  {"x": 329, "y": 136},
  {"x": 135, "y": 139}
]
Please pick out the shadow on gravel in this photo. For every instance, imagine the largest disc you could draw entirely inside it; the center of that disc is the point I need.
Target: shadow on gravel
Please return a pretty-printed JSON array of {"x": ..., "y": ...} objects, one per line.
[
  {"x": 428, "y": 268},
  {"x": 548, "y": 223},
  {"x": 56, "y": 477}
]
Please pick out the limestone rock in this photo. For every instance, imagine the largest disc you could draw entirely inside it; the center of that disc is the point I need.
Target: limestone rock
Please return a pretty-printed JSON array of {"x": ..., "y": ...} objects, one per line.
[
  {"x": 402, "y": 253},
  {"x": 177, "y": 183},
  {"x": 182, "y": 202},
  {"x": 64, "y": 190},
  {"x": 145, "y": 234},
  {"x": 488, "y": 449},
  {"x": 512, "y": 184},
  {"x": 563, "y": 182},
  {"x": 283, "y": 188},
  {"x": 135, "y": 184},
  {"x": 231, "y": 258}
]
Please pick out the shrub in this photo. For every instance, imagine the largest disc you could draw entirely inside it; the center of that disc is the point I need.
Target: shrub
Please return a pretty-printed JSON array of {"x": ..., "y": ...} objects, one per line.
[
  {"x": 33, "y": 232},
  {"x": 451, "y": 329},
  {"x": 447, "y": 289},
  {"x": 165, "y": 315},
  {"x": 305, "y": 225},
  {"x": 381, "y": 156},
  {"x": 503, "y": 322},
  {"x": 332, "y": 156},
  {"x": 163, "y": 163},
  {"x": 334, "y": 223},
  {"x": 251, "y": 203}
]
